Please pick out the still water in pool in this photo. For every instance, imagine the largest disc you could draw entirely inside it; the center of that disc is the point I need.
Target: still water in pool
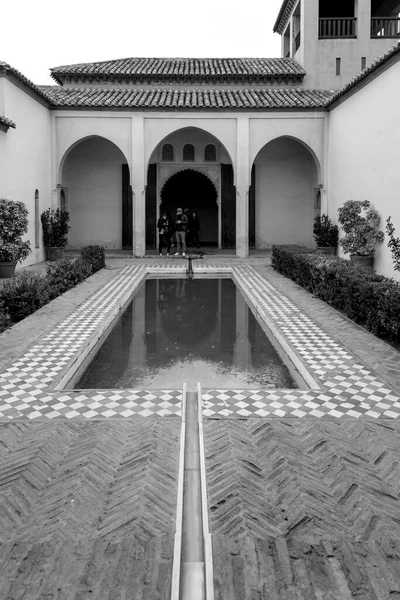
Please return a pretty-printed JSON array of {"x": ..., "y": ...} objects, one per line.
[{"x": 177, "y": 330}]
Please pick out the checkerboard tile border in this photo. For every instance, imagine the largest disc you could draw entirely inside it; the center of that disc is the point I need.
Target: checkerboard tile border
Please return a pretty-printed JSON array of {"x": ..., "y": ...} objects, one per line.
[
  {"x": 347, "y": 388},
  {"x": 27, "y": 386}
]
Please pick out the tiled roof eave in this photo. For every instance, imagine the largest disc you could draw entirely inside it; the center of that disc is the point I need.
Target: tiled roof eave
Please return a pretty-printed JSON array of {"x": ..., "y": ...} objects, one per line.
[
  {"x": 187, "y": 99},
  {"x": 8, "y": 71},
  {"x": 5, "y": 123},
  {"x": 283, "y": 16},
  {"x": 182, "y": 69}
]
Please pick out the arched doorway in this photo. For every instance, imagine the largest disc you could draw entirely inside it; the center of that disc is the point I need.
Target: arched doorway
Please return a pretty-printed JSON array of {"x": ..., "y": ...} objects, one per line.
[
  {"x": 191, "y": 168},
  {"x": 193, "y": 190}
]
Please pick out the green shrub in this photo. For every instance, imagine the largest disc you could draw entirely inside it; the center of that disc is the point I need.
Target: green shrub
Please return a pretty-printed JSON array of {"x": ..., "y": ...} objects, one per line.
[
  {"x": 363, "y": 295},
  {"x": 24, "y": 294},
  {"x": 13, "y": 225},
  {"x": 326, "y": 233},
  {"x": 360, "y": 224},
  {"x": 94, "y": 255},
  {"x": 5, "y": 320},
  {"x": 55, "y": 227},
  {"x": 65, "y": 274}
]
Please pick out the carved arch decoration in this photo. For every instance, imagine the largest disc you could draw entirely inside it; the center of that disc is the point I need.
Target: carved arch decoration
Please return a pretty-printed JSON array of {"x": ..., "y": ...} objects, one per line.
[{"x": 212, "y": 172}]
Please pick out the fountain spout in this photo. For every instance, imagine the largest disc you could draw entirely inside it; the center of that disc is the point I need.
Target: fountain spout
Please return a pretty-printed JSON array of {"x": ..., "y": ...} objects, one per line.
[{"x": 189, "y": 270}]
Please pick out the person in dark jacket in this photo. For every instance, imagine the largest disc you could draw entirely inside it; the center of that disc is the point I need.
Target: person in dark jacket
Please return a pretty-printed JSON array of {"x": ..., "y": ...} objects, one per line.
[
  {"x": 195, "y": 229},
  {"x": 164, "y": 231},
  {"x": 181, "y": 222}
]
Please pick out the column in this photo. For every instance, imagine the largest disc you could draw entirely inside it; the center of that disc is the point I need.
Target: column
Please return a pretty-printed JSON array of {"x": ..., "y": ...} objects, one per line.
[
  {"x": 138, "y": 179},
  {"x": 242, "y": 187}
]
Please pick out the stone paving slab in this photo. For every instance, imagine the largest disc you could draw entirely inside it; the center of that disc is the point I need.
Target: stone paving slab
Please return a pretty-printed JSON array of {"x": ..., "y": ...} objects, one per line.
[
  {"x": 304, "y": 509},
  {"x": 87, "y": 510}
]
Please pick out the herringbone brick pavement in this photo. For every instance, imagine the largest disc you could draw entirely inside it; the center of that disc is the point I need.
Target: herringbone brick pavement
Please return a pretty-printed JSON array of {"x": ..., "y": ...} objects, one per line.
[
  {"x": 87, "y": 510},
  {"x": 304, "y": 509}
]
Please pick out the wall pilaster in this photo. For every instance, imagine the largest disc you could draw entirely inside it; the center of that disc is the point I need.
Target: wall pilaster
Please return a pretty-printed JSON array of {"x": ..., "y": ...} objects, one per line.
[
  {"x": 138, "y": 182},
  {"x": 242, "y": 187}
]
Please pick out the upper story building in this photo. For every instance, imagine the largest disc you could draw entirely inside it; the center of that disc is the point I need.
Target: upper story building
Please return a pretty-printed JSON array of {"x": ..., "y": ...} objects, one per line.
[
  {"x": 256, "y": 146},
  {"x": 333, "y": 40}
]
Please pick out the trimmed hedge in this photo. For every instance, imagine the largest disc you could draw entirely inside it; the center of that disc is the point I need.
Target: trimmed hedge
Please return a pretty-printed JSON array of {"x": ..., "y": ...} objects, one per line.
[
  {"x": 4, "y": 317},
  {"x": 94, "y": 255},
  {"x": 64, "y": 274},
  {"x": 29, "y": 291},
  {"x": 24, "y": 294},
  {"x": 362, "y": 294}
]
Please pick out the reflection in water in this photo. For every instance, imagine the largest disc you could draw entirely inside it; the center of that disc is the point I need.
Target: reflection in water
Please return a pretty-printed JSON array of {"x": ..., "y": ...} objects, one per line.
[{"x": 177, "y": 330}]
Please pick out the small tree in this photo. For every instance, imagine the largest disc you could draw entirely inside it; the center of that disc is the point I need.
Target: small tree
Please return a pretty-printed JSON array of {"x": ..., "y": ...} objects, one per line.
[
  {"x": 13, "y": 225},
  {"x": 55, "y": 223},
  {"x": 360, "y": 223},
  {"x": 326, "y": 234},
  {"x": 393, "y": 244}
]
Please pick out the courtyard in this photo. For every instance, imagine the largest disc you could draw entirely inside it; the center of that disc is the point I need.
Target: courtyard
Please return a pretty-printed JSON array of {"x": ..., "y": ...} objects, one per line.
[{"x": 299, "y": 488}]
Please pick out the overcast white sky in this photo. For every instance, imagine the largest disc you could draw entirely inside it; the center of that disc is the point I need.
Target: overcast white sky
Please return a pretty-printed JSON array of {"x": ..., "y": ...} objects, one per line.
[{"x": 39, "y": 35}]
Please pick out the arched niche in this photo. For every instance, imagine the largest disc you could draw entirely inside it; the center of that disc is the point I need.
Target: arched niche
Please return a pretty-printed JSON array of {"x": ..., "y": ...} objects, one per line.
[
  {"x": 285, "y": 175},
  {"x": 96, "y": 175}
]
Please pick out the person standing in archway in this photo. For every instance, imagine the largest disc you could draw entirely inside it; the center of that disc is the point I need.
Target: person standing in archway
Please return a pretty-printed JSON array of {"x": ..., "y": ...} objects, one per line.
[
  {"x": 181, "y": 222},
  {"x": 195, "y": 229},
  {"x": 164, "y": 230}
]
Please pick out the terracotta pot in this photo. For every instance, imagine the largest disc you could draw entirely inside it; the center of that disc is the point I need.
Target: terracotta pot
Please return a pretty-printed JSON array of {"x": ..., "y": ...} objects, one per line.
[
  {"x": 325, "y": 249},
  {"x": 7, "y": 269},
  {"x": 54, "y": 253},
  {"x": 364, "y": 261}
]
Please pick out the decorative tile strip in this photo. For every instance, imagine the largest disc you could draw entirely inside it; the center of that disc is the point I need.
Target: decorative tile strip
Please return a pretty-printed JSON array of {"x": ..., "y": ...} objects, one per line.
[{"x": 347, "y": 388}]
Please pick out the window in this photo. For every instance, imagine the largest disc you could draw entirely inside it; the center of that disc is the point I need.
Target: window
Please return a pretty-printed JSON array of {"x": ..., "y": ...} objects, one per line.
[
  {"x": 188, "y": 152},
  {"x": 210, "y": 153},
  {"x": 338, "y": 61},
  {"x": 167, "y": 152},
  {"x": 363, "y": 63}
]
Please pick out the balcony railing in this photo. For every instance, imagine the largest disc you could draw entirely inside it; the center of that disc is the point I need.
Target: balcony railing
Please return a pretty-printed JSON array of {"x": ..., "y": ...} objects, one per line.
[
  {"x": 338, "y": 28},
  {"x": 385, "y": 27}
]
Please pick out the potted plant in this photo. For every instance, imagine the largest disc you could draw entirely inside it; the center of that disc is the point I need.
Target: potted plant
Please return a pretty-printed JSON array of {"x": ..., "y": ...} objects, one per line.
[
  {"x": 360, "y": 224},
  {"x": 13, "y": 225},
  {"x": 326, "y": 234},
  {"x": 55, "y": 224}
]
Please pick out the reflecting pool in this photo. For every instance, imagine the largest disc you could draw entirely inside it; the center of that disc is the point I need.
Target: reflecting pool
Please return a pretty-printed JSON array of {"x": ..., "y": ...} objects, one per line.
[{"x": 191, "y": 330}]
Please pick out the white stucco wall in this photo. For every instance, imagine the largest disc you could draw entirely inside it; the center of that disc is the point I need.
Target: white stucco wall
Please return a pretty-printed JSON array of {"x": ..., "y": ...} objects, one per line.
[
  {"x": 92, "y": 174},
  {"x": 286, "y": 176},
  {"x": 308, "y": 128},
  {"x": 364, "y": 154},
  {"x": 25, "y": 158},
  {"x": 71, "y": 128}
]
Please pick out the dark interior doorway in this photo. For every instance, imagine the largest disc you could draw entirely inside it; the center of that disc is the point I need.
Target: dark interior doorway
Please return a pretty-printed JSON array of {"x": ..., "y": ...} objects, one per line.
[{"x": 193, "y": 190}]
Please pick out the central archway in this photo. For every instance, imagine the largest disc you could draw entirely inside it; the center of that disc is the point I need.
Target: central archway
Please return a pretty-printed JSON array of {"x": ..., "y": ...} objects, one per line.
[{"x": 192, "y": 189}]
